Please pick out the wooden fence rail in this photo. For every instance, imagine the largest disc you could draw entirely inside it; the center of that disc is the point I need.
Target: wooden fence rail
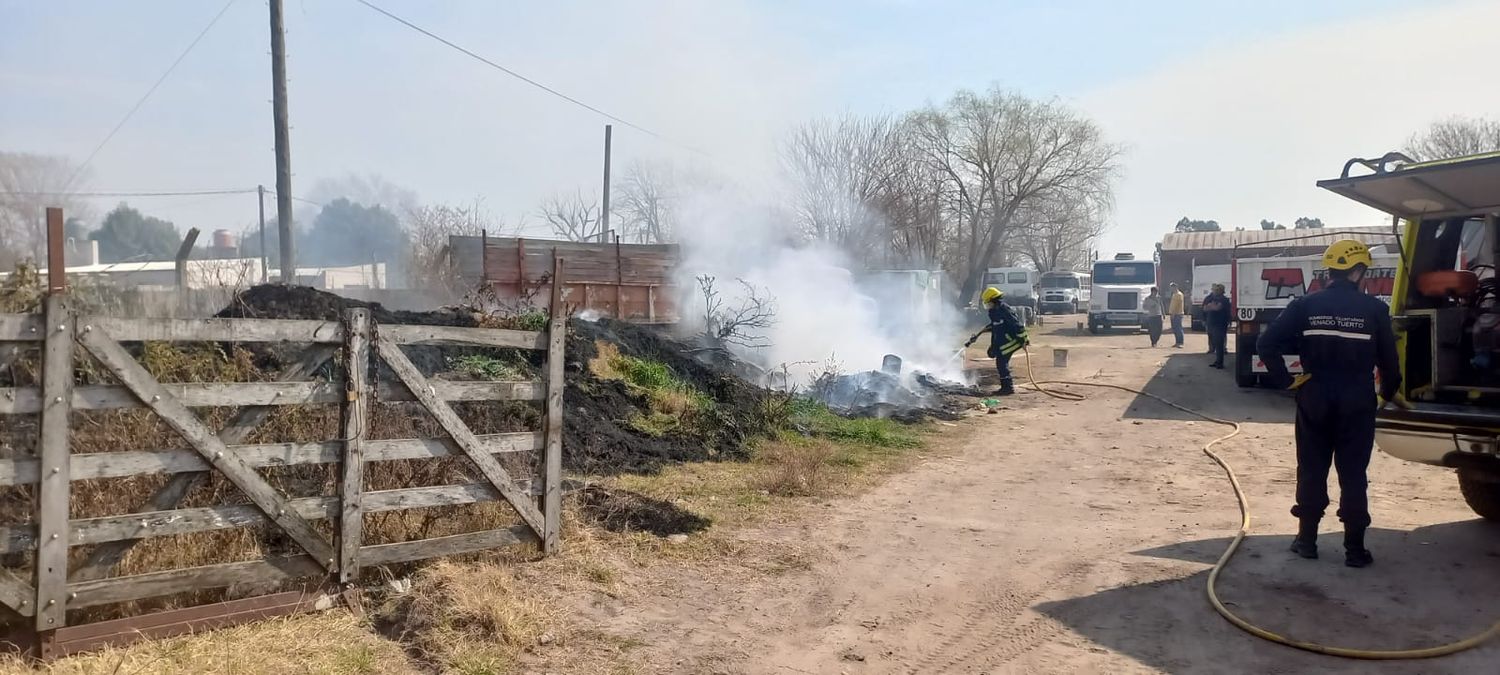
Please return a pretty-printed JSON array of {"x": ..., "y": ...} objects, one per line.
[{"x": 362, "y": 350}]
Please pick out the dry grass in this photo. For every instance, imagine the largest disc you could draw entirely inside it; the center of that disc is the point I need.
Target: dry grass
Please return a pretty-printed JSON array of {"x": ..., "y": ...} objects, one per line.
[
  {"x": 331, "y": 642},
  {"x": 476, "y": 617},
  {"x": 798, "y": 470}
]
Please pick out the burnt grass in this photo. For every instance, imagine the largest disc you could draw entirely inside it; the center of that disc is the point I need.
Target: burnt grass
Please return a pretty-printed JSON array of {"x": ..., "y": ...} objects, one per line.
[{"x": 598, "y": 438}]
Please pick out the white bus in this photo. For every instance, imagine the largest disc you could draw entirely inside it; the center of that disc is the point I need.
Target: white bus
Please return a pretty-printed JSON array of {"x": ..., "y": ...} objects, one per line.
[
  {"x": 1064, "y": 292},
  {"x": 1017, "y": 283}
]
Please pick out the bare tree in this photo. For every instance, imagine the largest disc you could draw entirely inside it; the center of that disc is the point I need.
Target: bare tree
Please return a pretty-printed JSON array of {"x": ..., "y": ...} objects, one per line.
[
  {"x": 647, "y": 202},
  {"x": 1003, "y": 154},
  {"x": 573, "y": 218},
  {"x": 741, "y": 324},
  {"x": 1060, "y": 234},
  {"x": 28, "y": 185},
  {"x": 431, "y": 226},
  {"x": 839, "y": 169},
  {"x": 1455, "y": 137}
]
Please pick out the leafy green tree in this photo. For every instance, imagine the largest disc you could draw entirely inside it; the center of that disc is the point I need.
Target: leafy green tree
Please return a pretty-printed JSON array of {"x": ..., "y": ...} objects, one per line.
[
  {"x": 1271, "y": 225},
  {"x": 348, "y": 233},
  {"x": 127, "y": 234},
  {"x": 1190, "y": 225},
  {"x": 1305, "y": 223}
]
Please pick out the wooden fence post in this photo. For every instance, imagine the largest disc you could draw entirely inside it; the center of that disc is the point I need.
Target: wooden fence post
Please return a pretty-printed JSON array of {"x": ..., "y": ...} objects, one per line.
[
  {"x": 557, "y": 333},
  {"x": 54, "y": 455},
  {"x": 357, "y": 388}
]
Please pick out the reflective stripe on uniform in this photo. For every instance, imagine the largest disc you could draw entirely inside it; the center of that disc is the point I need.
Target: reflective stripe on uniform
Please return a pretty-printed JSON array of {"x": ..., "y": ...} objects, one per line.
[{"x": 1325, "y": 332}]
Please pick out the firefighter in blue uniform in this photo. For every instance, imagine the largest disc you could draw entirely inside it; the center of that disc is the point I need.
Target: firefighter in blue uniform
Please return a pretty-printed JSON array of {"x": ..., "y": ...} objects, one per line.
[
  {"x": 1007, "y": 336},
  {"x": 1342, "y": 336}
]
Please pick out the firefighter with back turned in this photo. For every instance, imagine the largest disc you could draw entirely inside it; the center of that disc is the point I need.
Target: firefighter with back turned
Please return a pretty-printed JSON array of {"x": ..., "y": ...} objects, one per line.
[{"x": 1342, "y": 336}]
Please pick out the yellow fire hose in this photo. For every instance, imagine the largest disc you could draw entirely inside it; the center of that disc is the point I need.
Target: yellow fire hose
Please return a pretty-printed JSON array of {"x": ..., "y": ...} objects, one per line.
[{"x": 1234, "y": 546}]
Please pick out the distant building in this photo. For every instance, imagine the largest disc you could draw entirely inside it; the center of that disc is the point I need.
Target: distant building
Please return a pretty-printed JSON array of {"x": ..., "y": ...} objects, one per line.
[{"x": 1181, "y": 251}]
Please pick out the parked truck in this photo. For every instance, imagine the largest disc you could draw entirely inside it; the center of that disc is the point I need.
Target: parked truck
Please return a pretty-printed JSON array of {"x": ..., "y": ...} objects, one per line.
[
  {"x": 1263, "y": 287},
  {"x": 1119, "y": 286}
]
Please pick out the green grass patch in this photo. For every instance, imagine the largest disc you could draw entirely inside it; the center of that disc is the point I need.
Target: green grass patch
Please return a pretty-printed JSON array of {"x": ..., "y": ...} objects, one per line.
[
  {"x": 485, "y": 367},
  {"x": 675, "y": 405},
  {"x": 815, "y": 419}
]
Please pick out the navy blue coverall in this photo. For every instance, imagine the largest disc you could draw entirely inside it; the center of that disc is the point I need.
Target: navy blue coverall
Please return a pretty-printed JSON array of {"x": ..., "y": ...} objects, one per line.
[
  {"x": 1342, "y": 335},
  {"x": 1007, "y": 336}
]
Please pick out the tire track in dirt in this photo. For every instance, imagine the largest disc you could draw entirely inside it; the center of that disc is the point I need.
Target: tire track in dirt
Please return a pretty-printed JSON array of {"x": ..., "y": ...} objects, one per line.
[{"x": 988, "y": 629}]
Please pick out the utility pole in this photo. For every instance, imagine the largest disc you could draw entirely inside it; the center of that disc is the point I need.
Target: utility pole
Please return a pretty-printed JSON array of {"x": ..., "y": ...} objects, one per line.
[
  {"x": 604, "y": 211},
  {"x": 260, "y": 192},
  {"x": 283, "y": 145}
]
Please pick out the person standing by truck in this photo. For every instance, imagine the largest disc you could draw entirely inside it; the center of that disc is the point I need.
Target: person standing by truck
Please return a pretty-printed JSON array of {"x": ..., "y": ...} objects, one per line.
[
  {"x": 1342, "y": 336},
  {"x": 1153, "y": 309},
  {"x": 1175, "y": 309},
  {"x": 1216, "y": 310}
]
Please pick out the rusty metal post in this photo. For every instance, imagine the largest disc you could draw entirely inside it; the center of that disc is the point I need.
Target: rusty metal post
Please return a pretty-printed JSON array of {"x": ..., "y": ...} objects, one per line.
[
  {"x": 57, "y": 263},
  {"x": 619, "y": 282}
]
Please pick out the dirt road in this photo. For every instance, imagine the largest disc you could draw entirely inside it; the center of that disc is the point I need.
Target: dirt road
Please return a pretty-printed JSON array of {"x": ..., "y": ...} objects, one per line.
[{"x": 1076, "y": 537}]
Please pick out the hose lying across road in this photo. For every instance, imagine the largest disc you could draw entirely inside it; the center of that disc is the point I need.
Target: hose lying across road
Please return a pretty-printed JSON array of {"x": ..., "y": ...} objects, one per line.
[{"x": 1234, "y": 546}]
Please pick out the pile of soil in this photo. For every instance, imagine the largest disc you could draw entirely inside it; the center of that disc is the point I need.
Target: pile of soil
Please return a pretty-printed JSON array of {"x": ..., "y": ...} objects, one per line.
[
  {"x": 274, "y": 301},
  {"x": 597, "y": 434},
  {"x": 596, "y": 430}
]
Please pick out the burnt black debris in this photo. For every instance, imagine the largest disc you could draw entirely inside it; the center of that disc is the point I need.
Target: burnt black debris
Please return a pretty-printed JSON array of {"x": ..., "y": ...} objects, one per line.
[{"x": 880, "y": 394}]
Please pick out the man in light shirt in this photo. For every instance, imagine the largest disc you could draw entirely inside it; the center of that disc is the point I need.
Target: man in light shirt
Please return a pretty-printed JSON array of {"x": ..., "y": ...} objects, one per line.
[{"x": 1175, "y": 310}]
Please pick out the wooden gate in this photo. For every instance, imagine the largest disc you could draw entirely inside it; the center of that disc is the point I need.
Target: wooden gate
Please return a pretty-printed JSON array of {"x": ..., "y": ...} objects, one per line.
[{"x": 325, "y": 558}]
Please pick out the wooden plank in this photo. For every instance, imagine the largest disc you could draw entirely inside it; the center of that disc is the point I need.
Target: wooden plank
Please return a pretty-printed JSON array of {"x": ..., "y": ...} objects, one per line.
[
  {"x": 446, "y": 418},
  {"x": 354, "y": 426},
  {"x": 16, "y": 594},
  {"x": 53, "y": 488},
  {"x": 557, "y": 333},
  {"x": 92, "y": 466},
  {"x": 192, "y": 394},
  {"x": 217, "y": 330},
  {"x": 172, "y": 522},
  {"x": 176, "y": 415},
  {"x": 23, "y": 400},
  {"x": 464, "y": 390},
  {"x": 138, "y": 586},
  {"x": 20, "y": 327},
  {"x": 183, "y": 621},
  {"x": 451, "y": 335},
  {"x": 103, "y": 558},
  {"x": 406, "y": 551}
]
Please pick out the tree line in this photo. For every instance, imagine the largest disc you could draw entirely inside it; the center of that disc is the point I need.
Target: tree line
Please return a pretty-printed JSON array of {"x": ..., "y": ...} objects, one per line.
[{"x": 983, "y": 179}]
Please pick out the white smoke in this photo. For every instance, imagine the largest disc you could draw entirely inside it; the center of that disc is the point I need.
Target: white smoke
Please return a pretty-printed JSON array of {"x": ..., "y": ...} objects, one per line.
[{"x": 826, "y": 308}]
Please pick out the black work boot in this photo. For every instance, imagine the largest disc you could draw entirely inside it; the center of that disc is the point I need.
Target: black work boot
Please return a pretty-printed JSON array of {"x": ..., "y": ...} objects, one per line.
[
  {"x": 1355, "y": 553},
  {"x": 1007, "y": 387},
  {"x": 1306, "y": 542}
]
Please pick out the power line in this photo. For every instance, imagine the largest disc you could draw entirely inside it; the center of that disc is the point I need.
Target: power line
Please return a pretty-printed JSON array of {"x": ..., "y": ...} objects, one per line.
[
  {"x": 528, "y": 80},
  {"x": 179, "y": 193},
  {"x": 147, "y": 95}
]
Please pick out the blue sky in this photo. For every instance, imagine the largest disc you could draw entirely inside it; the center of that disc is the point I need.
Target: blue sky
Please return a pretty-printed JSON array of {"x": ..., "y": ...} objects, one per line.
[{"x": 1230, "y": 109}]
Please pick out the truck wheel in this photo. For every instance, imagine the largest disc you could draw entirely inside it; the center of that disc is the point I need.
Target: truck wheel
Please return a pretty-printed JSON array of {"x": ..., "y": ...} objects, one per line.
[
  {"x": 1481, "y": 491},
  {"x": 1093, "y": 328},
  {"x": 1244, "y": 375}
]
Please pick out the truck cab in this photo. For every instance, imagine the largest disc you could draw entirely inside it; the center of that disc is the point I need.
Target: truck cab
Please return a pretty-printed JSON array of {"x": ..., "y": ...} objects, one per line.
[
  {"x": 1445, "y": 305},
  {"x": 1119, "y": 286}
]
